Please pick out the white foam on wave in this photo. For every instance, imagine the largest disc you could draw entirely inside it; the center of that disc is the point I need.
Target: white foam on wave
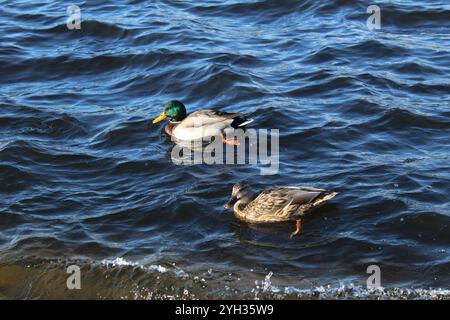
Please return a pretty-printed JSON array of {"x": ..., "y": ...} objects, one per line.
[
  {"x": 346, "y": 291},
  {"x": 360, "y": 292},
  {"x": 119, "y": 261},
  {"x": 265, "y": 289}
]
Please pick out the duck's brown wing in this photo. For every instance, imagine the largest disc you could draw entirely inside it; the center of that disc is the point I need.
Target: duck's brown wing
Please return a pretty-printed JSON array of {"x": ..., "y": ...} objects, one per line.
[{"x": 284, "y": 203}]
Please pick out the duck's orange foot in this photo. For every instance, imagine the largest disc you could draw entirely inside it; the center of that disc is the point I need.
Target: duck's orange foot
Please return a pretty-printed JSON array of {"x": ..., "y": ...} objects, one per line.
[
  {"x": 298, "y": 226},
  {"x": 233, "y": 142}
]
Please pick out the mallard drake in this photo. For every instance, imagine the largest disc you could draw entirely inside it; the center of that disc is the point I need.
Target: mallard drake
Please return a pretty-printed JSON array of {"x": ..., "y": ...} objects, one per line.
[
  {"x": 200, "y": 124},
  {"x": 276, "y": 204}
]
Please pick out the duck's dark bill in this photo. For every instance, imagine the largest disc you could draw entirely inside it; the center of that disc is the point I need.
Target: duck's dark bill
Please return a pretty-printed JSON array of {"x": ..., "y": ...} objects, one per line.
[{"x": 230, "y": 203}]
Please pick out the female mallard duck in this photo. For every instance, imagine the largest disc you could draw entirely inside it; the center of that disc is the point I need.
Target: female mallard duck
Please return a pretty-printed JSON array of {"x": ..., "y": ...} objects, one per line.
[
  {"x": 276, "y": 204},
  {"x": 200, "y": 124}
]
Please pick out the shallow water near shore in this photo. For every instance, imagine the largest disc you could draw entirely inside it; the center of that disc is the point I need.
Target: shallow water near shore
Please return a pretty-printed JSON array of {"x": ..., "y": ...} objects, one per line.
[{"x": 87, "y": 179}]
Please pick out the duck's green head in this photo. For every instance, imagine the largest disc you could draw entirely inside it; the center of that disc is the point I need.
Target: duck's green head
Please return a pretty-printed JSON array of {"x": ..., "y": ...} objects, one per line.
[{"x": 174, "y": 109}]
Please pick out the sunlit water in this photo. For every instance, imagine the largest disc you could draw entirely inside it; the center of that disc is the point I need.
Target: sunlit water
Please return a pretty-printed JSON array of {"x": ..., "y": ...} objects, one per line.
[{"x": 86, "y": 178}]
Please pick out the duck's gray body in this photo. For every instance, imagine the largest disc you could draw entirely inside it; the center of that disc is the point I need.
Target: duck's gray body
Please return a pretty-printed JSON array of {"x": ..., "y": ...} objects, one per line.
[{"x": 207, "y": 123}]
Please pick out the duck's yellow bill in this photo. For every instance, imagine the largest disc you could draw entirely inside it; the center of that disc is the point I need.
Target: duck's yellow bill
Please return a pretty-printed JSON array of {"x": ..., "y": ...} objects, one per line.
[{"x": 160, "y": 118}]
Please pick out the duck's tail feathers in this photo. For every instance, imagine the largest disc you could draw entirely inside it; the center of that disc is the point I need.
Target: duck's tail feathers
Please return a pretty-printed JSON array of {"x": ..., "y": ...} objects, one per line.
[
  {"x": 324, "y": 196},
  {"x": 246, "y": 122}
]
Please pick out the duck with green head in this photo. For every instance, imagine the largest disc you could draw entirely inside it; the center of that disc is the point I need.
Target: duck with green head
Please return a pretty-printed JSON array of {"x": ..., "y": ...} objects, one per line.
[{"x": 200, "y": 124}]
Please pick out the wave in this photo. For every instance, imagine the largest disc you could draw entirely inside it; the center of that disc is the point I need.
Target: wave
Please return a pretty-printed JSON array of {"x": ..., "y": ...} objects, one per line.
[
  {"x": 119, "y": 261},
  {"x": 429, "y": 16},
  {"x": 398, "y": 119},
  {"x": 120, "y": 278},
  {"x": 15, "y": 180},
  {"x": 64, "y": 66},
  {"x": 271, "y": 10},
  {"x": 92, "y": 28}
]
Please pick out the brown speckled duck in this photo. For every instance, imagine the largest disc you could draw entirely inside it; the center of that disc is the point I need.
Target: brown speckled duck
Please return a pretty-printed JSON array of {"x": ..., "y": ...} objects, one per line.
[{"x": 276, "y": 204}]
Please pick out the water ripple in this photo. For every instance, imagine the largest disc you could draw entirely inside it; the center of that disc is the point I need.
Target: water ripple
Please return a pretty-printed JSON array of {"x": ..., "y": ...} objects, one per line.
[{"x": 87, "y": 178}]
